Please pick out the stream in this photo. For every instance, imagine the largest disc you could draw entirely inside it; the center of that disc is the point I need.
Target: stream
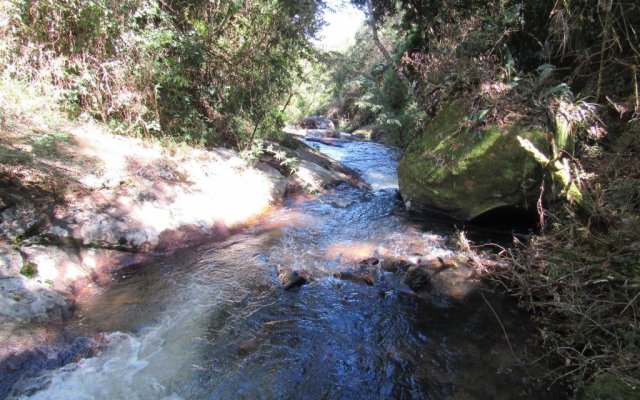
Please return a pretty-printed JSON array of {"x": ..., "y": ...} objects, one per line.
[{"x": 214, "y": 322}]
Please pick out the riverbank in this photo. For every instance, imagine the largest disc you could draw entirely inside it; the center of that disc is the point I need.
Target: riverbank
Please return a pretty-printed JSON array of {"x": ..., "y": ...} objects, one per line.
[
  {"x": 579, "y": 277},
  {"x": 78, "y": 203}
]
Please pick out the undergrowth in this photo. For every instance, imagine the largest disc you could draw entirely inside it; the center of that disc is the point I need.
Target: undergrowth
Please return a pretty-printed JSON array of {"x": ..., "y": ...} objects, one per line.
[
  {"x": 206, "y": 73},
  {"x": 580, "y": 277}
]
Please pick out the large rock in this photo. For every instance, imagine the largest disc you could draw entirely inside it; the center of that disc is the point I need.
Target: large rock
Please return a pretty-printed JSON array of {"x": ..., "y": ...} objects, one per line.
[
  {"x": 19, "y": 216},
  {"x": 10, "y": 261},
  {"x": 158, "y": 202},
  {"x": 24, "y": 300},
  {"x": 48, "y": 294},
  {"x": 467, "y": 172},
  {"x": 317, "y": 122},
  {"x": 63, "y": 266}
]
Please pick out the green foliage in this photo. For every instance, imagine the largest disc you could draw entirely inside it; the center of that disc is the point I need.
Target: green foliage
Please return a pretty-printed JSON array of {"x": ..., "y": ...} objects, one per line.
[
  {"x": 251, "y": 155},
  {"x": 45, "y": 144},
  {"x": 287, "y": 140},
  {"x": 570, "y": 67},
  {"x": 288, "y": 163},
  {"x": 311, "y": 94},
  {"x": 204, "y": 72},
  {"x": 364, "y": 90},
  {"x": 10, "y": 156},
  {"x": 450, "y": 48},
  {"x": 29, "y": 269}
]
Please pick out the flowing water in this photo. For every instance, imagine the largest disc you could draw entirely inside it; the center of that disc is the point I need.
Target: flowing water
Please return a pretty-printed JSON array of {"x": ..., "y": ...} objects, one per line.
[{"x": 214, "y": 322}]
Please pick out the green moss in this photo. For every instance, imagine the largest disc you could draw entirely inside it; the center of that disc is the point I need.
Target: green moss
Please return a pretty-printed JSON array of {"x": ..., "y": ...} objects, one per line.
[
  {"x": 564, "y": 137},
  {"x": 29, "y": 269},
  {"x": 628, "y": 139},
  {"x": 467, "y": 172},
  {"x": 508, "y": 174}
]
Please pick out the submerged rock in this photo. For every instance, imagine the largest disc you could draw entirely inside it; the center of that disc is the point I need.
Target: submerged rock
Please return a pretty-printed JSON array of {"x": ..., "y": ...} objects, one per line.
[
  {"x": 367, "y": 271},
  {"x": 371, "y": 261},
  {"x": 394, "y": 266},
  {"x": 390, "y": 266},
  {"x": 31, "y": 361},
  {"x": 417, "y": 278},
  {"x": 356, "y": 277},
  {"x": 247, "y": 347},
  {"x": 467, "y": 172}
]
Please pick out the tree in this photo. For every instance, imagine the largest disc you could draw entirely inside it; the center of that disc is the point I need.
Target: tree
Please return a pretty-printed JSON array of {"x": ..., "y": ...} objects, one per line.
[{"x": 393, "y": 65}]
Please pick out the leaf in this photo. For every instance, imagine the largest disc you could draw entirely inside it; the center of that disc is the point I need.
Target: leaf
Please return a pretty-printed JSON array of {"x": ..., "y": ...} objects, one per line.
[
  {"x": 545, "y": 71},
  {"x": 562, "y": 89}
]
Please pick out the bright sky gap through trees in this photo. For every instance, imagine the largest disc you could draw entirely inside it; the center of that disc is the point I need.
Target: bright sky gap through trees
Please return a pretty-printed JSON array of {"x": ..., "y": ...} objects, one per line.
[{"x": 342, "y": 22}]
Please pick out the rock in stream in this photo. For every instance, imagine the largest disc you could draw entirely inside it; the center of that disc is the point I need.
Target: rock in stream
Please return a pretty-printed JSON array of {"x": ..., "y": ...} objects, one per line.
[{"x": 291, "y": 279}]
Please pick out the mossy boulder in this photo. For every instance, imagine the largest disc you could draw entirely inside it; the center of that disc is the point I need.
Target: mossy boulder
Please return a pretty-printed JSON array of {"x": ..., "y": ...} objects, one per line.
[{"x": 467, "y": 171}]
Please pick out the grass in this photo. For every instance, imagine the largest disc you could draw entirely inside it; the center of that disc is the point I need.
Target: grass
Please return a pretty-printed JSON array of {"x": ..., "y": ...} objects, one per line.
[{"x": 47, "y": 144}]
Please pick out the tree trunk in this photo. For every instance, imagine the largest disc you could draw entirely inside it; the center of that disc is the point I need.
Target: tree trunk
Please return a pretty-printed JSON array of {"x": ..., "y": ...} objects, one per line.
[{"x": 374, "y": 31}]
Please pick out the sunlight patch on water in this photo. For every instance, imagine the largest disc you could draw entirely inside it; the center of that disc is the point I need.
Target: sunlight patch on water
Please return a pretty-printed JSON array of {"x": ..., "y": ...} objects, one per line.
[{"x": 345, "y": 252}]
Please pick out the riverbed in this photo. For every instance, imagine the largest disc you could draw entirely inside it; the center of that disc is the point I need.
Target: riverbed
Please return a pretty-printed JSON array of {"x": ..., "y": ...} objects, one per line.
[{"x": 214, "y": 322}]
